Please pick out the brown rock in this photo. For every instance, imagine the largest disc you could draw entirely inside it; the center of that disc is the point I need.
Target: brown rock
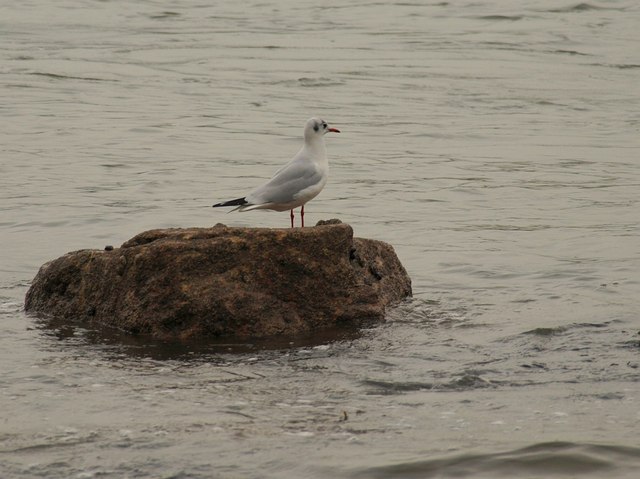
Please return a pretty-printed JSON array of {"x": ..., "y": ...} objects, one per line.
[{"x": 222, "y": 281}]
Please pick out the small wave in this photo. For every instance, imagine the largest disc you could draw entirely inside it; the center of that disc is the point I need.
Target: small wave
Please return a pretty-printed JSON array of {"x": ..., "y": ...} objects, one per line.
[
  {"x": 8, "y": 307},
  {"x": 391, "y": 387},
  {"x": 552, "y": 331},
  {"x": 58, "y": 76},
  {"x": 549, "y": 459},
  {"x": 163, "y": 15},
  {"x": 510, "y": 18},
  {"x": 619, "y": 66},
  {"x": 571, "y": 52},
  {"x": 317, "y": 82},
  {"x": 463, "y": 382},
  {"x": 468, "y": 381},
  {"x": 579, "y": 7},
  {"x": 625, "y": 66},
  {"x": 422, "y": 312},
  {"x": 546, "y": 331},
  {"x": 307, "y": 82}
]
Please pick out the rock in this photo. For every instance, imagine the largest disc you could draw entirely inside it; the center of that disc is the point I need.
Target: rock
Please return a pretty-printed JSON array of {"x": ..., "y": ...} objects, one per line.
[{"x": 223, "y": 281}]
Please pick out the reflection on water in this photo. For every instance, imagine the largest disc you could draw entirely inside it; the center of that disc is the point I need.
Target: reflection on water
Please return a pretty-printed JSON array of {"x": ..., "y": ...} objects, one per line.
[
  {"x": 111, "y": 339},
  {"x": 493, "y": 144}
]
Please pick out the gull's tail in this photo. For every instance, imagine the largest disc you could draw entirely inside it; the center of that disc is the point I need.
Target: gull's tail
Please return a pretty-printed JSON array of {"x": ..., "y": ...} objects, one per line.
[{"x": 236, "y": 202}]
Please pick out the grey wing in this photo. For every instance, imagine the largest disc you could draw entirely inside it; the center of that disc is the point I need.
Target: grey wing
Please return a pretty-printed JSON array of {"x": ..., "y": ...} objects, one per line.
[{"x": 286, "y": 183}]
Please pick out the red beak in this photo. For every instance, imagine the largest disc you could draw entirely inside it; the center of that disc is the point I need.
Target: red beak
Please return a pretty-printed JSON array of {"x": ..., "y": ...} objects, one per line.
[{"x": 334, "y": 130}]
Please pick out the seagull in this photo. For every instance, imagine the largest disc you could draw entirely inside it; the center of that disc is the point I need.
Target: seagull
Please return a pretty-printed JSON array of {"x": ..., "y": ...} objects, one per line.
[{"x": 297, "y": 182}]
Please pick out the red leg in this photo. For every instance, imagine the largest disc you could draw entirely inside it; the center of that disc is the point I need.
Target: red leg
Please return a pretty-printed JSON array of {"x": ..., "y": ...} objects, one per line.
[
  {"x": 292, "y": 218},
  {"x": 302, "y": 215}
]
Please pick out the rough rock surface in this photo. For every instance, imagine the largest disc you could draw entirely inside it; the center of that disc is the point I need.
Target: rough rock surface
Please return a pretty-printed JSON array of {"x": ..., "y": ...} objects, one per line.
[{"x": 223, "y": 281}]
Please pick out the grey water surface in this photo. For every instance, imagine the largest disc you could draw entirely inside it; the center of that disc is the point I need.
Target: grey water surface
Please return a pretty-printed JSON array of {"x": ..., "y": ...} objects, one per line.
[{"x": 495, "y": 144}]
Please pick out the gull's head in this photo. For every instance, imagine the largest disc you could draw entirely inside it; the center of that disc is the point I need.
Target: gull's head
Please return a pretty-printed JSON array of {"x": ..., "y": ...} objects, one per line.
[{"x": 317, "y": 128}]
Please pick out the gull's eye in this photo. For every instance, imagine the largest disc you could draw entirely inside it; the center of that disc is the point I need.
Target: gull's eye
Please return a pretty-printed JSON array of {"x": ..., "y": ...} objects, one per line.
[{"x": 324, "y": 125}]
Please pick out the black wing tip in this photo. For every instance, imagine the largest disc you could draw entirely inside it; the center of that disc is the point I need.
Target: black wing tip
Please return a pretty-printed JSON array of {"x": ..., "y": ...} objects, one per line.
[{"x": 236, "y": 202}]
